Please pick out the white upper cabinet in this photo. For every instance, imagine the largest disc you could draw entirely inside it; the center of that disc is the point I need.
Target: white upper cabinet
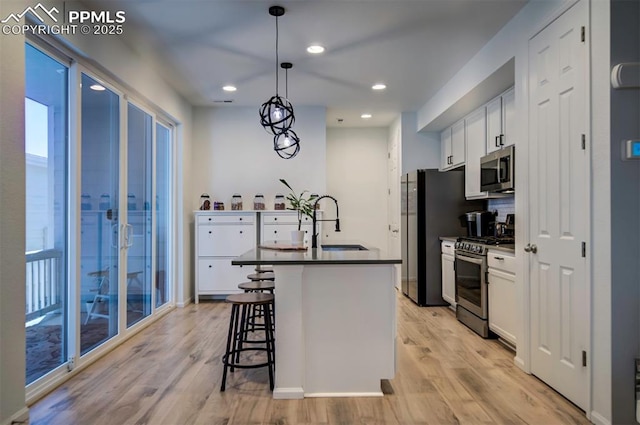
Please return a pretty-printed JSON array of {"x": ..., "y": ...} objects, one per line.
[
  {"x": 476, "y": 140},
  {"x": 452, "y": 147},
  {"x": 445, "y": 149},
  {"x": 500, "y": 121}
]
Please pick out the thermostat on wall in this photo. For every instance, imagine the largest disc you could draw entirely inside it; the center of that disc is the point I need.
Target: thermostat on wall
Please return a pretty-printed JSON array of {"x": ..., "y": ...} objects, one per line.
[{"x": 631, "y": 149}]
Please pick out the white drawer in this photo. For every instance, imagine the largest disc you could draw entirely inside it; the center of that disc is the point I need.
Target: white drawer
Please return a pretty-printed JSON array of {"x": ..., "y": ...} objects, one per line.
[
  {"x": 280, "y": 218},
  {"x": 218, "y": 276},
  {"x": 502, "y": 261},
  {"x": 448, "y": 247},
  {"x": 235, "y": 218},
  {"x": 225, "y": 240}
]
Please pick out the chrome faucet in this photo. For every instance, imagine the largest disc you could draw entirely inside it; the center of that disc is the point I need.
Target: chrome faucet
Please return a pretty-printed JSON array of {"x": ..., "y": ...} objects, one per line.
[{"x": 314, "y": 236}]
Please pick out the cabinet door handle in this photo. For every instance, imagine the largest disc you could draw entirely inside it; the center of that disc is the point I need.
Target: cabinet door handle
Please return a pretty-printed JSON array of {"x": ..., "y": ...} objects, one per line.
[
  {"x": 240, "y": 218},
  {"x": 275, "y": 219},
  {"x": 209, "y": 218},
  {"x": 209, "y": 231},
  {"x": 497, "y": 142},
  {"x": 240, "y": 231},
  {"x": 275, "y": 231},
  {"x": 209, "y": 265},
  {"x": 499, "y": 258},
  {"x": 448, "y": 246},
  {"x": 502, "y": 140}
]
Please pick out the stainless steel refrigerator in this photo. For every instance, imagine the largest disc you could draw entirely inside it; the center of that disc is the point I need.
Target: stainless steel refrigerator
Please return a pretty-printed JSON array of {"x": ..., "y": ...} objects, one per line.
[{"x": 432, "y": 201}]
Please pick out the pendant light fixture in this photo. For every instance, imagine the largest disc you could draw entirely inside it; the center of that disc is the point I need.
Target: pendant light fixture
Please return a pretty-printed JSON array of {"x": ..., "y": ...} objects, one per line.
[
  {"x": 276, "y": 114},
  {"x": 286, "y": 144}
]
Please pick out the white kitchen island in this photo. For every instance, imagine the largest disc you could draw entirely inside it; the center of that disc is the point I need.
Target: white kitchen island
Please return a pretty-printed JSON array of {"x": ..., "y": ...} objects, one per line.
[{"x": 335, "y": 320}]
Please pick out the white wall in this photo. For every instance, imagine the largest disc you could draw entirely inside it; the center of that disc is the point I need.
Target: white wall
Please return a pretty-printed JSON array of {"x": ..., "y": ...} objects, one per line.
[
  {"x": 357, "y": 178},
  {"x": 419, "y": 150},
  {"x": 512, "y": 41},
  {"x": 12, "y": 227},
  {"x": 233, "y": 153}
]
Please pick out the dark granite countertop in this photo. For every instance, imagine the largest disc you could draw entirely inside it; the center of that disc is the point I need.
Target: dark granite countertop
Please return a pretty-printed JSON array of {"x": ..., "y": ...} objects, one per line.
[{"x": 260, "y": 256}]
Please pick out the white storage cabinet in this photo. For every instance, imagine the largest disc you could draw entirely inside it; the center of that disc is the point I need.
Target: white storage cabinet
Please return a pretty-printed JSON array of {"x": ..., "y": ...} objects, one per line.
[
  {"x": 500, "y": 121},
  {"x": 476, "y": 141},
  {"x": 502, "y": 295},
  {"x": 221, "y": 236},
  {"x": 452, "y": 147},
  {"x": 276, "y": 226},
  {"x": 448, "y": 273}
]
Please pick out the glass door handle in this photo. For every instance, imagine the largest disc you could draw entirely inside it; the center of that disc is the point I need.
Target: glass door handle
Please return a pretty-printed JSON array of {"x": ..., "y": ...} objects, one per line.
[
  {"x": 128, "y": 236},
  {"x": 115, "y": 236}
]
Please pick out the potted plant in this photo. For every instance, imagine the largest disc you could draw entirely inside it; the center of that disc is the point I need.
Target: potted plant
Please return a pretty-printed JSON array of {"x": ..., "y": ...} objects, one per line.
[{"x": 303, "y": 205}]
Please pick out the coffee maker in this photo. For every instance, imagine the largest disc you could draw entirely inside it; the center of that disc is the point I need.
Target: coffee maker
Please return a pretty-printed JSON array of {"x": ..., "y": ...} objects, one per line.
[{"x": 479, "y": 223}]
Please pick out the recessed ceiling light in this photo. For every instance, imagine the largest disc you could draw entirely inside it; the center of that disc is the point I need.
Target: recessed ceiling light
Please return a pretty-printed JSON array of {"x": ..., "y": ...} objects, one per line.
[
  {"x": 378, "y": 86},
  {"x": 97, "y": 87},
  {"x": 229, "y": 88},
  {"x": 365, "y": 116},
  {"x": 315, "y": 49}
]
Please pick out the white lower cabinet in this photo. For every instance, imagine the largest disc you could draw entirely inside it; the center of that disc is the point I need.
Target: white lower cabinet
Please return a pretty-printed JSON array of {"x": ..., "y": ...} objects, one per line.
[
  {"x": 277, "y": 227},
  {"x": 448, "y": 273},
  {"x": 503, "y": 315},
  {"x": 220, "y": 237}
]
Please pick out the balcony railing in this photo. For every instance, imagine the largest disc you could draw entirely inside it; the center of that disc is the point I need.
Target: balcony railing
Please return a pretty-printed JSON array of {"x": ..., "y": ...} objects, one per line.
[{"x": 44, "y": 282}]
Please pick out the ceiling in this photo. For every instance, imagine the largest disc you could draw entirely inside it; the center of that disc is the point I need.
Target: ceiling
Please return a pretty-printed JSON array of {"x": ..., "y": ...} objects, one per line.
[{"x": 412, "y": 46}]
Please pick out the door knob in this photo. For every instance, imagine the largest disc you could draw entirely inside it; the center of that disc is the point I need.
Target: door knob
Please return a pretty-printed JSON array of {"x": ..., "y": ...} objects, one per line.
[{"x": 531, "y": 248}]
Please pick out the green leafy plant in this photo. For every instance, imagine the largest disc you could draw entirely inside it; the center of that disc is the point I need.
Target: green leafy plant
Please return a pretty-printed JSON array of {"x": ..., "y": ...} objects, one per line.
[{"x": 303, "y": 205}]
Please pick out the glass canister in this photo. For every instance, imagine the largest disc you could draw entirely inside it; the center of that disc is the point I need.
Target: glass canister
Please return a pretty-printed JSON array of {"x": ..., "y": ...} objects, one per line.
[
  {"x": 85, "y": 203},
  {"x": 314, "y": 197},
  {"x": 236, "y": 202},
  {"x": 279, "y": 202},
  {"x": 131, "y": 202},
  {"x": 218, "y": 206},
  {"x": 258, "y": 202},
  {"x": 105, "y": 201},
  {"x": 205, "y": 202}
]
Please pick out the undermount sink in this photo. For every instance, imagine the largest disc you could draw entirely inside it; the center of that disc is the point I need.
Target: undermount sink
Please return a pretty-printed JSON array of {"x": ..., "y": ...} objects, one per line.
[{"x": 343, "y": 247}]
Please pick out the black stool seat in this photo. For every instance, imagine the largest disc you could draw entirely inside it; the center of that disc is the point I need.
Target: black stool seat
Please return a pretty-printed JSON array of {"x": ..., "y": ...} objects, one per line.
[
  {"x": 257, "y": 285},
  {"x": 239, "y": 330},
  {"x": 262, "y": 276}
]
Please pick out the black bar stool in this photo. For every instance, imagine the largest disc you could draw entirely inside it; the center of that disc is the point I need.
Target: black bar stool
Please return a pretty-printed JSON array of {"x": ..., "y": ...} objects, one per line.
[
  {"x": 261, "y": 276},
  {"x": 256, "y": 311},
  {"x": 238, "y": 333}
]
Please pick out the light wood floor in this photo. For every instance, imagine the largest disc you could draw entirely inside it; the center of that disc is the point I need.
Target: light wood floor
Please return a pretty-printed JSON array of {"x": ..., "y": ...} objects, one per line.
[{"x": 170, "y": 373}]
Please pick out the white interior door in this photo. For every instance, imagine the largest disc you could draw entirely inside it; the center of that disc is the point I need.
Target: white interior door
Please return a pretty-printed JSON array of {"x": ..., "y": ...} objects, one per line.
[
  {"x": 559, "y": 205},
  {"x": 393, "y": 200}
]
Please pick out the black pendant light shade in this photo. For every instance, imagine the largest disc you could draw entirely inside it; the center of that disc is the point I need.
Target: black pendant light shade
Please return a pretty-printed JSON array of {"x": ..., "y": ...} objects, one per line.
[
  {"x": 276, "y": 115},
  {"x": 287, "y": 144}
]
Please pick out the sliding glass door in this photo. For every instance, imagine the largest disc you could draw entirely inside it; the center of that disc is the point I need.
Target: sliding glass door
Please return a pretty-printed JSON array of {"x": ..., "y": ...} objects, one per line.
[
  {"x": 98, "y": 215},
  {"x": 163, "y": 212},
  {"x": 139, "y": 215},
  {"x": 46, "y": 135},
  {"x": 100, "y": 238}
]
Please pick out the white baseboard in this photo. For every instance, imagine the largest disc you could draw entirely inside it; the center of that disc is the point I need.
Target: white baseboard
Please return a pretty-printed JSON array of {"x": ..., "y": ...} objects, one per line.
[
  {"x": 20, "y": 417},
  {"x": 184, "y": 303},
  {"x": 520, "y": 363},
  {"x": 288, "y": 393},
  {"x": 364, "y": 394},
  {"x": 598, "y": 419}
]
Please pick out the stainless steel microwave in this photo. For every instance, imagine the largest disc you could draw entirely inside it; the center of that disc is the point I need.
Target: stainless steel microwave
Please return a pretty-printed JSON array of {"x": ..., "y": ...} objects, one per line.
[{"x": 497, "y": 171}]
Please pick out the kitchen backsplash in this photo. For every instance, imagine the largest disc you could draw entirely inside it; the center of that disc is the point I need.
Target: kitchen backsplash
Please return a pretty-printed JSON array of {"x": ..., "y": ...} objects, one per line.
[{"x": 504, "y": 206}]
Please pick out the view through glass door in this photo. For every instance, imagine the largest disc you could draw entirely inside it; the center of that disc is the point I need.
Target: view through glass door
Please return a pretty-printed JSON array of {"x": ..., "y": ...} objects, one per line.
[
  {"x": 46, "y": 134},
  {"x": 118, "y": 187},
  {"x": 138, "y": 222},
  {"x": 100, "y": 225}
]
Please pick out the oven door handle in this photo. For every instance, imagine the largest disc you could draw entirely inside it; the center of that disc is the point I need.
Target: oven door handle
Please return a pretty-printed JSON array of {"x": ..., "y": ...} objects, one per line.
[{"x": 478, "y": 261}]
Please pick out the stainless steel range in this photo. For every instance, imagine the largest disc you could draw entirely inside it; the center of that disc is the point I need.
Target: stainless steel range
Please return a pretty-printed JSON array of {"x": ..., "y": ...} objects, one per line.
[{"x": 471, "y": 281}]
